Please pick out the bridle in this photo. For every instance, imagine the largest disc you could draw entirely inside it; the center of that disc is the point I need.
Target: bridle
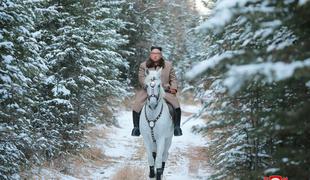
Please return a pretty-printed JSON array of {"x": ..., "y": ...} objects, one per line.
[
  {"x": 152, "y": 122},
  {"x": 152, "y": 84}
]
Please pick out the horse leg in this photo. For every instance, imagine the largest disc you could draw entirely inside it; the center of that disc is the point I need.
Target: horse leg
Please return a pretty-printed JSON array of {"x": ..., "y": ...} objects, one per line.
[
  {"x": 159, "y": 158},
  {"x": 159, "y": 173},
  {"x": 166, "y": 151},
  {"x": 149, "y": 150},
  {"x": 151, "y": 164},
  {"x": 152, "y": 172}
]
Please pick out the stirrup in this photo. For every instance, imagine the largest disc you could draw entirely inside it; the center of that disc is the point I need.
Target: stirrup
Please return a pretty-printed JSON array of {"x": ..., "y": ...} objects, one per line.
[{"x": 135, "y": 131}]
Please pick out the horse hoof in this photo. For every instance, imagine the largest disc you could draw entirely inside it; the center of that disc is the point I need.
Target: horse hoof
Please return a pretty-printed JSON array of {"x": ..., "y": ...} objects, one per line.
[
  {"x": 152, "y": 175},
  {"x": 159, "y": 173},
  {"x": 152, "y": 172},
  {"x": 159, "y": 177}
]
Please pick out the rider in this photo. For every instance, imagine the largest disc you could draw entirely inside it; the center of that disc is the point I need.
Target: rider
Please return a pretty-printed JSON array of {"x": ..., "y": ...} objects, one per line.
[{"x": 169, "y": 83}]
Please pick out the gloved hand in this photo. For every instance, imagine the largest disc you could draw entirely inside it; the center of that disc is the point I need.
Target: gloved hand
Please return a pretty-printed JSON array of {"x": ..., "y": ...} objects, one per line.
[{"x": 173, "y": 91}]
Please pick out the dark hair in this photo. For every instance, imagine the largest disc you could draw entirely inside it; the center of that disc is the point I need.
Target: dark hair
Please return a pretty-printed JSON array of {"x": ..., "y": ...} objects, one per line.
[
  {"x": 150, "y": 63},
  {"x": 156, "y": 47}
]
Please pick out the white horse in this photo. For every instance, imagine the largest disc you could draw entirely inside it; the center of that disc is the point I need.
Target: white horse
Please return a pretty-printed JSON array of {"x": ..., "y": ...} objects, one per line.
[{"x": 156, "y": 125}]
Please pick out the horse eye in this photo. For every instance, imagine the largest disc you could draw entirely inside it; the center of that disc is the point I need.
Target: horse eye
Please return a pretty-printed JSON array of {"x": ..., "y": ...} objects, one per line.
[{"x": 158, "y": 86}]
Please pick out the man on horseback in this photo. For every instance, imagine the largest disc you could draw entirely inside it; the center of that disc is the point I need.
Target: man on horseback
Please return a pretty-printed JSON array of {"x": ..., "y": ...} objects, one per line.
[{"x": 169, "y": 82}]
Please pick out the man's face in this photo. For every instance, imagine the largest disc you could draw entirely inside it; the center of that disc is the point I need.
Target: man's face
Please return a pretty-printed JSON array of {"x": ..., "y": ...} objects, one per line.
[{"x": 155, "y": 55}]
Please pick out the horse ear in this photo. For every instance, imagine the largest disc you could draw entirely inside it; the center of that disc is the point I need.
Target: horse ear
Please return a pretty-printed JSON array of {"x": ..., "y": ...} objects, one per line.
[{"x": 146, "y": 72}]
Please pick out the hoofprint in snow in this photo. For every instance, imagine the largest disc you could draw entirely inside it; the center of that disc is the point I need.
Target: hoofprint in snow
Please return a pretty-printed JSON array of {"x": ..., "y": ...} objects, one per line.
[{"x": 126, "y": 158}]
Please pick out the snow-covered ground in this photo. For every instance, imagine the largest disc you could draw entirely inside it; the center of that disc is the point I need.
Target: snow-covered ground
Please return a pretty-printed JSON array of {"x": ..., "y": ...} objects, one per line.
[{"x": 123, "y": 153}]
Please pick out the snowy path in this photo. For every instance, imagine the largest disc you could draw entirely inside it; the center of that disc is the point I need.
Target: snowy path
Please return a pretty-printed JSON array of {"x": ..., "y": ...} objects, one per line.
[{"x": 125, "y": 158}]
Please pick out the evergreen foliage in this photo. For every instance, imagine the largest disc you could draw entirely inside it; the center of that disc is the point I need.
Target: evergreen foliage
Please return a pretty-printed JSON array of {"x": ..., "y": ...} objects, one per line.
[
  {"x": 61, "y": 64},
  {"x": 254, "y": 82}
]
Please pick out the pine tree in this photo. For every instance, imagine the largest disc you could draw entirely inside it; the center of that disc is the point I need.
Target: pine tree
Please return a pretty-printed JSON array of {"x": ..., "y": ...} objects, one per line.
[
  {"x": 21, "y": 70},
  {"x": 257, "y": 71},
  {"x": 61, "y": 63}
]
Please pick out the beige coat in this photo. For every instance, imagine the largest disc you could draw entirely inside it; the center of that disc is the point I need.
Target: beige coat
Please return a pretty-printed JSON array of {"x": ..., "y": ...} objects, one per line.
[{"x": 168, "y": 79}]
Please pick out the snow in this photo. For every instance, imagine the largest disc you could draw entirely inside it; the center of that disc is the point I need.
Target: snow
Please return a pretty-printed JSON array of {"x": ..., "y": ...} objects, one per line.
[
  {"x": 36, "y": 34},
  {"x": 210, "y": 63},
  {"x": 50, "y": 80},
  {"x": 217, "y": 20},
  {"x": 185, "y": 143},
  {"x": 263, "y": 33},
  {"x": 283, "y": 38},
  {"x": 59, "y": 101},
  {"x": 5, "y": 16},
  {"x": 274, "y": 23},
  {"x": 6, "y": 44},
  {"x": 271, "y": 170},
  {"x": 201, "y": 7},
  {"x": 125, "y": 150},
  {"x": 117, "y": 145},
  {"x": 24, "y": 30},
  {"x": 86, "y": 79},
  {"x": 280, "y": 45},
  {"x": 89, "y": 69},
  {"x": 7, "y": 58},
  {"x": 302, "y": 2},
  {"x": 60, "y": 89},
  {"x": 120, "y": 145},
  {"x": 51, "y": 173},
  {"x": 223, "y": 13},
  {"x": 277, "y": 71},
  {"x": 285, "y": 159},
  {"x": 308, "y": 84},
  {"x": 15, "y": 176},
  {"x": 5, "y": 78}
]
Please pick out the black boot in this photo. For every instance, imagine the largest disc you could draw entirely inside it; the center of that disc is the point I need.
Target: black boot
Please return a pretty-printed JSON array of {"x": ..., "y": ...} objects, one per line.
[
  {"x": 135, "y": 119},
  {"x": 177, "y": 121}
]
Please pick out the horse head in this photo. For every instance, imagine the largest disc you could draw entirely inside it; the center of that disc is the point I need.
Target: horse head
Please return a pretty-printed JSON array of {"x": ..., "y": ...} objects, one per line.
[{"x": 154, "y": 90}]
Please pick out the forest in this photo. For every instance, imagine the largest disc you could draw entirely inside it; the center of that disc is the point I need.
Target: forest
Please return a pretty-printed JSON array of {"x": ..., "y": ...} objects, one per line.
[{"x": 66, "y": 65}]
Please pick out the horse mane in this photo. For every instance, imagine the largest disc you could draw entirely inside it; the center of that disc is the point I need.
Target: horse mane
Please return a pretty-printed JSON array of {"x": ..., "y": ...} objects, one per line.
[{"x": 148, "y": 79}]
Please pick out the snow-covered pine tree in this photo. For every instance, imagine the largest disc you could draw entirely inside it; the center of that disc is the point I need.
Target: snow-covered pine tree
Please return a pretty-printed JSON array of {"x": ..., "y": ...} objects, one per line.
[
  {"x": 260, "y": 54},
  {"x": 85, "y": 63},
  {"x": 173, "y": 30},
  {"x": 21, "y": 69},
  {"x": 139, "y": 15},
  {"x": 154, "y": 23},
  {"x": 61, "y": 62}
]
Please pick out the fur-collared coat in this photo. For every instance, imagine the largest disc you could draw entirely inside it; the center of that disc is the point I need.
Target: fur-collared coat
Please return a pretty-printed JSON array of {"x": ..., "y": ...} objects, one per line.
[{"x": 168, "y": 80}]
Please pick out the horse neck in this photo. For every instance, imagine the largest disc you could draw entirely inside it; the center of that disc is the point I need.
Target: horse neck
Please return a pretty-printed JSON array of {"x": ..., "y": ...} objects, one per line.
[{"x": 156, "y": 111}]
